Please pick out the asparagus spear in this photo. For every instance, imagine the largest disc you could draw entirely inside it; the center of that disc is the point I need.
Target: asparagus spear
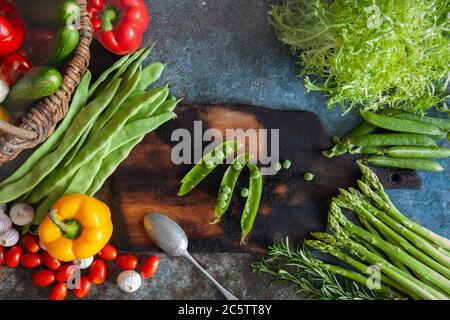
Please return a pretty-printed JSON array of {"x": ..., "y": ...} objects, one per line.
[
  {"x": 326, "y": 248},
  {"x": 407, "y": 281},
  {"x": 415, "y": 239},
  {"x": 416, "y": 266},
  {"x": 376, "y": 217},
  {"x": 383, "y": 202}
]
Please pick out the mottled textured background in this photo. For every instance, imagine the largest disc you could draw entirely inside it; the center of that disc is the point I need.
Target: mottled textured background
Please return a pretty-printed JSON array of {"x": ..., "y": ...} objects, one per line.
[{"x": 225, "y": 51}]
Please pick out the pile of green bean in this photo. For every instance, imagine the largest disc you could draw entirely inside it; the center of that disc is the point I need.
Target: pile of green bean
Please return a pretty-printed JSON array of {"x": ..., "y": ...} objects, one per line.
[
  {"x": 208, "y": 163},
  {"x": 105, "y": 121},
  {"x": 408, "y": 141}
]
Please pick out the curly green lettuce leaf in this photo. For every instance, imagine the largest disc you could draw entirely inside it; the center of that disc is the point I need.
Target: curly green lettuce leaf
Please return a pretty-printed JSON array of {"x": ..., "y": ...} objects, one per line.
[{"x": 372, "y": 54}]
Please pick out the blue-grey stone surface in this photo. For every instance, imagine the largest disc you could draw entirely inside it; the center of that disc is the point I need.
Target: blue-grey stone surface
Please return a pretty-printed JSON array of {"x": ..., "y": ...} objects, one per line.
[{"x": 225, "y": 51}]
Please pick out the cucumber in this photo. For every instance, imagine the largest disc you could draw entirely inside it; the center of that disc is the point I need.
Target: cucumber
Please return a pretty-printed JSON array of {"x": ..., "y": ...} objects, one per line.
[
  {"x": 66, "y": 42},
  {"x": 37, "y": 83},
  {"x": 51, "y": 13}
]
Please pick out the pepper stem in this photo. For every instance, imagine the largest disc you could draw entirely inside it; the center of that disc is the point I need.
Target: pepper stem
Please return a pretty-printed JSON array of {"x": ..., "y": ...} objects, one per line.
[
  {"x": 71, "y": 229},
  {"x": 109, "y": 17}
]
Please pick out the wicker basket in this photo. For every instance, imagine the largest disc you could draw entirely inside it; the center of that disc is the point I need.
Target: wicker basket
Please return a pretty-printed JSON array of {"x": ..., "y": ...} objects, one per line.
[{"x": 41, "y": 121}]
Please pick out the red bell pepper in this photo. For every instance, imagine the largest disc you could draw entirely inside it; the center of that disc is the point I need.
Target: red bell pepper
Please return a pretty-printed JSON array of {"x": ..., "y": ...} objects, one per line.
[
  {"x": 119, "y": 24},
  {"x": 12, "y": 29},
  {"x": 13, "y": 66}
]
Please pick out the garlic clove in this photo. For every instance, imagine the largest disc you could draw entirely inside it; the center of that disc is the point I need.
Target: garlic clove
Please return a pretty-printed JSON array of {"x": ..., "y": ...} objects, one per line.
[
  {"x": 5, "y": 222},
  {"x": 83, "y": 263},
  {"x": 21, "y": 214},
  {"x": 9, "y": 238},
  {"x": 129, "y": 281}
]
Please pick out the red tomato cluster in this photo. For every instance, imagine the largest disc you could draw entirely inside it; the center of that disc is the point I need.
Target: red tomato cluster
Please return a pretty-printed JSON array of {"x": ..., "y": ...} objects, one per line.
[{"x": 30, "y": 255}]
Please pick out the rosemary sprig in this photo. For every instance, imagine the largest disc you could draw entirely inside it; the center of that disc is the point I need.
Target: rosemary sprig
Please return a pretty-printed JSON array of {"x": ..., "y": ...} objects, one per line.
[{"x": 314, "y": 279}]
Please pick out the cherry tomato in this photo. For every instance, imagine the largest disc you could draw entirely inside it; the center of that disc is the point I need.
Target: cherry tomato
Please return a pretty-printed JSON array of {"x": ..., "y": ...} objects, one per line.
[
  {"x": 31, "y": 260},
  {"x": 13, "y": 256},
  {"x": 2, "y": 255},
  {"x": 127, "y": 262},
  {"x": 31, "y": 243},
  {"x": 150, "y": 267},
  {"x": 108, "y": 253},
  {"x": 98, "y": 271},
  {"x": 66, "y": 272},
  {"x": 59, "y": 292},
  {"x": 84, "y": 289},
  {"x": 50, "y": 262},
  {"x": 43, "y": 278}
]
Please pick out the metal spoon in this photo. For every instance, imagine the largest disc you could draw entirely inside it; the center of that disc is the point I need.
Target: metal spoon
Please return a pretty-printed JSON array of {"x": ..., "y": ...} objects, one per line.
[{"x": 169, "y": 236}]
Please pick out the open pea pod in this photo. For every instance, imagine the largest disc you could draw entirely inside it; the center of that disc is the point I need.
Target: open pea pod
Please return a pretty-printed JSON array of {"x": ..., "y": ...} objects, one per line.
[
  {"x": 252, "y": 204},
  {"x": 228, "y": 184},
  {"x": 206, "y": 165}
]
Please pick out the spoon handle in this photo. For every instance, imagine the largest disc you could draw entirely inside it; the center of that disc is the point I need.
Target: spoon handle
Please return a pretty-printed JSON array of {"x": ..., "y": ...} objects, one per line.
[{"x": 225, "y": 292}]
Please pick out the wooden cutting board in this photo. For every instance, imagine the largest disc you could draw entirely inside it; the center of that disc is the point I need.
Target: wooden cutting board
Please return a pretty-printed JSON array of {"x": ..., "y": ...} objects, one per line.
[{"x": 290, "y": 206}]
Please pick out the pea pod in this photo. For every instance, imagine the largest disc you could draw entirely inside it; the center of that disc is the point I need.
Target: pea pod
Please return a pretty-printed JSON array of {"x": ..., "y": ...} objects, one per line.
[
  {"x": 78, "y": 102},
  {"x": 444, "y": 124},
  {"x": 412, "y": 163},
  {"x": 252, "y": 203},
  {"x": 51, "y": 161},
  {"x": 89, "y": 151},
  {"x": 401, "y": 125},
  {"x": 393, "y": 139},
  {"x": 418, "y": 152},
  {"x": 206, "y": 165},
  {"x": 368, "y": 150},
  {"x": 341, "y": 147},
  {"x": 228, "y": 184}
]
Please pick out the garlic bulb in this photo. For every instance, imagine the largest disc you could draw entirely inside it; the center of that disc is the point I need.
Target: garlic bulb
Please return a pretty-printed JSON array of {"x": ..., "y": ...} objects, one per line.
[
  {"x": 9, "y": 238},
  {"x": 21, "y": 213},
  {"x": 129, "y": 281},
  {"x": 5, "y": 222},
  {"x": 83, "y": 263}
]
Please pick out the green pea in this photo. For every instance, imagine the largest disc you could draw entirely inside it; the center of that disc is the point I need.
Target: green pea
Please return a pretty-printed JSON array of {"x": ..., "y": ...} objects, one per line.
[
  {"x": 277, "y": 166},
  {"x": 237, "y": 166},
  {"x": 222, "y": 204},
  {"x": 244, "y": 192},
  {"x": 255, "y": 174},
  {"x": 308, "y": 176},
  {"x": 226, "y": 189},
  {"x": 287, "y": 164},
  {"x": 223, "y": 196}
]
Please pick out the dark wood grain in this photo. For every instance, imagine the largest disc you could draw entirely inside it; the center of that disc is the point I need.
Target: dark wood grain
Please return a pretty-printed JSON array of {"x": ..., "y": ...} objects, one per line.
[{"x": 148, "y": 181}]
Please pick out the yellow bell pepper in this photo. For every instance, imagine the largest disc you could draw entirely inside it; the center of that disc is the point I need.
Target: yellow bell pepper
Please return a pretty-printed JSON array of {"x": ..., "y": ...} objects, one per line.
[
  {"x": 5, "y": 117},
  {"x": 77, "y": 227}
]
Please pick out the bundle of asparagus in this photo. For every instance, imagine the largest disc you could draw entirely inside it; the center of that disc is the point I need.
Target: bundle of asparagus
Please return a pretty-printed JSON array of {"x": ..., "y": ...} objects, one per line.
[{"x": 411, "y": 260}]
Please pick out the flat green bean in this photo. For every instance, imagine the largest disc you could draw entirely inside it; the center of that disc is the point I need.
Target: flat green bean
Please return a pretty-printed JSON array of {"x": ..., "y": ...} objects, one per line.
[
  {"x": 73, "y": 152},
  {"x": 393, "y": 139},
  {"x": 252, "y": 203},
  {"x": 45, "y": 205},
  {"x": 229, "y": 181},
  {"x": 50, "y": 162},
  {"x": 418, "y": 152},
  {"x": 110, "y": 164},
  {"x": 167, "y": 106},
  {"x": 88, "y": 151},
  {"x": 206, "y": 165},
  {"x": 119, "y": 68},
  {"x": 131, "y": 70},
  {"x": 150, "y": 75},
  {"x": 412, "y": 163},
  {"x": 137, "y": 128},
  {"x": 79, "y": 100},
  {"x": 126, "y": 89},
  {"x": 401, "y": 125},
  {"x": 151, "y": 106}
]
